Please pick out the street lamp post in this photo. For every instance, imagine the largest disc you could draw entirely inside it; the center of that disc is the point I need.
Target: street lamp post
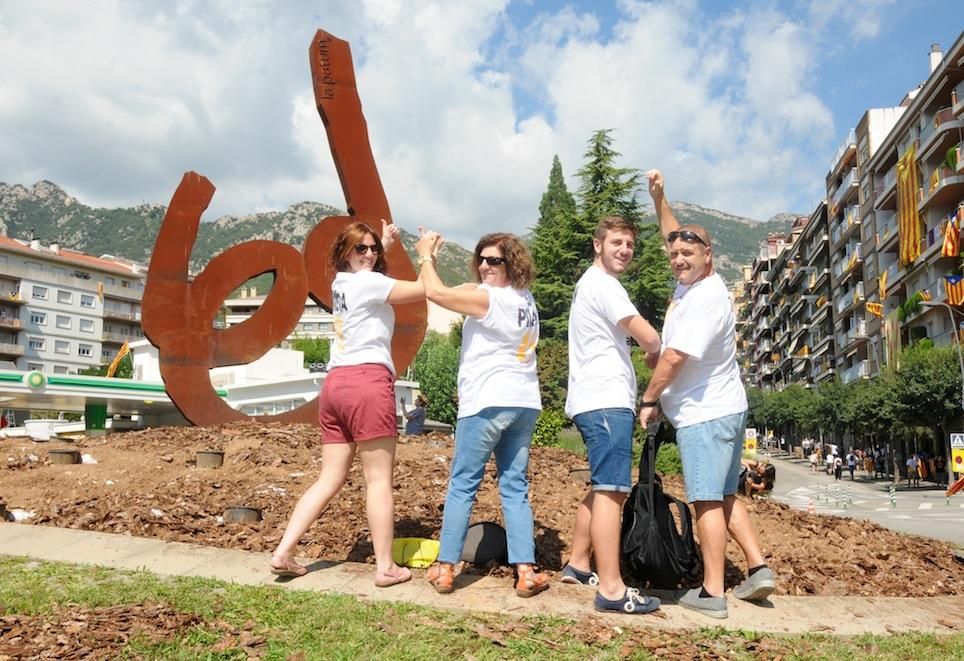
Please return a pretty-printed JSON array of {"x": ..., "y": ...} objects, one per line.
[{"x": 960, "y": 359}]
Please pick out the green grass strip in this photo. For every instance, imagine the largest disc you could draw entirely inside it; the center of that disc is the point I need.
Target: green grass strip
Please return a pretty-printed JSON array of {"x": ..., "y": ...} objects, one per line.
[{"x": 342, "y": 627}]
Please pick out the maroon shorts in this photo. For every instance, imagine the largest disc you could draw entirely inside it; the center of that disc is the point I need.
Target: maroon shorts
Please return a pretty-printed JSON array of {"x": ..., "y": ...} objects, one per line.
[{"x": 357, "y": 403}]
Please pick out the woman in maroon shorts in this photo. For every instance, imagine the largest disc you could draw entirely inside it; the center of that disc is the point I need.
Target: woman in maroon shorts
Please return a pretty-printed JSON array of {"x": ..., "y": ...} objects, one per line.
[{"x": 357, "y": 401}]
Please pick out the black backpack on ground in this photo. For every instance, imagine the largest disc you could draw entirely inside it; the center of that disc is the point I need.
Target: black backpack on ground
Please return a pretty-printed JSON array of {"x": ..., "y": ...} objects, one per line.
[{"x": 653, "y": 549}]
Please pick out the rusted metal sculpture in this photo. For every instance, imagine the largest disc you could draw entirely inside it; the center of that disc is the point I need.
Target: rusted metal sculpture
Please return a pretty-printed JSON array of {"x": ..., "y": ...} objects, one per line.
[{"x": 178, "y": 315}]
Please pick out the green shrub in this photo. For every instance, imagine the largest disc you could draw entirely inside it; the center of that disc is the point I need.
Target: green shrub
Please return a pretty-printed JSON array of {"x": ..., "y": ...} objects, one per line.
[
  {"x": 668, "y": 461},
  {"x": 548, "y": 425}
]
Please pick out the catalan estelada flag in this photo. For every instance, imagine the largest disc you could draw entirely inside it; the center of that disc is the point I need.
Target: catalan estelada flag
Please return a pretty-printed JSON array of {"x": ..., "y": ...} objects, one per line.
[
  {"x": 876, "y": 309},
  {"x": 954, "y": 288},
  {"x": 925, "y": 294},
  {"x": 908, "y": 218},
  {"x": 952, "y": 238},
  {"x": 882, "y": 285}
]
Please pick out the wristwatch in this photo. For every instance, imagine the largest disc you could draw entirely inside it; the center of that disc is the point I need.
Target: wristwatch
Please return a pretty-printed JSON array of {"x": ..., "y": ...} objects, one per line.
[
  {"x": 422, "y": 259},
  {"x": 648, "y": 405}
]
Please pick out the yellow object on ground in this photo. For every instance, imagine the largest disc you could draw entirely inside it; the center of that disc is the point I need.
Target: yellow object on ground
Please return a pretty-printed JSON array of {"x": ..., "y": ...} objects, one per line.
[{"x": 414, "y": 551}]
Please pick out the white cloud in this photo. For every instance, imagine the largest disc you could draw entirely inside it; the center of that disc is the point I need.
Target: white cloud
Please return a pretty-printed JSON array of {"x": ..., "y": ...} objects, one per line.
[{"x": 465, "y": 109}]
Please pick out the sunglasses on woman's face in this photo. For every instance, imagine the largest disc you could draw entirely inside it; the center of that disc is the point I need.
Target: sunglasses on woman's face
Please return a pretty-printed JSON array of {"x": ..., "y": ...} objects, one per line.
[
  {"x": 492, "y": 261},
  {"x": 685, "y": 235},
  {"x": 362, "y": 248}
]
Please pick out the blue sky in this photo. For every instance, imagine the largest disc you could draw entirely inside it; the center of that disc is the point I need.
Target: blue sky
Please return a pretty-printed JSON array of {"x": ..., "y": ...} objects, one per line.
[{"x": 741, "y": 104}]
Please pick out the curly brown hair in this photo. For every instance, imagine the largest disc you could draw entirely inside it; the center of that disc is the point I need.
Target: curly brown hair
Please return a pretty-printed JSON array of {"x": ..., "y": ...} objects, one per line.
[
  {"x": 346, "y": 241},
  {"x": 518, "y": 259}
]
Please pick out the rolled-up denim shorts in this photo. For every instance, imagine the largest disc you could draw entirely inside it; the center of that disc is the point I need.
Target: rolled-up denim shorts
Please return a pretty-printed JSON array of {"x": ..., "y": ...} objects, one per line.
[
  {"x": 608, "y": 434},
  {"x": 711, "y": 452}
]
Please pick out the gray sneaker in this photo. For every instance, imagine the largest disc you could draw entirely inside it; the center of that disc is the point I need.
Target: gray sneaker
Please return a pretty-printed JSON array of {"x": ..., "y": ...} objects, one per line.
[
  {"x": 757, "y": 587},
  {"x": 711, "y": 606}
]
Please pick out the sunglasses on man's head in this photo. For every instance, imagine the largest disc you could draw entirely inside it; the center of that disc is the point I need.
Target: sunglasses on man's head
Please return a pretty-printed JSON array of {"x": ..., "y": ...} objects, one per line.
[
  {"x": 686, "y": 235},
  {"x": 362, "y": 248},
  {"x": 492, "y": 261}
]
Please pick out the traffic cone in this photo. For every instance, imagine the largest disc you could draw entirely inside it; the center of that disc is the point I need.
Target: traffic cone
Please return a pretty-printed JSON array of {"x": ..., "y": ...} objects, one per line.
[{"x": 810, "y": 508}]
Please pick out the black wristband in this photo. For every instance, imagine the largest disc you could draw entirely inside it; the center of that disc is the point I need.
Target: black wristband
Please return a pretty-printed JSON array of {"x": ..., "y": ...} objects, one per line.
[{"x": 645, "y": 405}]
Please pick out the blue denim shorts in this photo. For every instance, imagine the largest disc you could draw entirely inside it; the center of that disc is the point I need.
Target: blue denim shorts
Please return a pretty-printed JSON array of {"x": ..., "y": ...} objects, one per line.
[
  {"x": 711, "y": 452},
  {"x": 608, "y": 434}
]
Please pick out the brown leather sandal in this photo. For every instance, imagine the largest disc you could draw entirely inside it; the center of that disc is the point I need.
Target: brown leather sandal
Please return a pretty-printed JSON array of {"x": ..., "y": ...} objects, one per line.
[
  {"x": 288, "y": 569},
  {"x": 441, "y": 577},
  {"x": 530, "y": 581}
]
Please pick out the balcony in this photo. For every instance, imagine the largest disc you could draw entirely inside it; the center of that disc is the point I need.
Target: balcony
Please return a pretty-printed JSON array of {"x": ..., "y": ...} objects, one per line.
[
  {"x": 124, "y": 315},
  {"x": 859, "y": 370},
  {"x": 842, "y": 193},
  {"x": 943, "y": 121},
  {"x": 957, "y": 100},
  {"x": 8, "y": 349},
  {"x": 11, "y": 323},
  {"x": 847, "y": 224},
  {"x": 886, "y": 228},
  {"x": 885, "y": 191},
  {"x": 844, "y": 153},
  {"x": 116, "y": 338},
  {"x": 944, "y": 190}
]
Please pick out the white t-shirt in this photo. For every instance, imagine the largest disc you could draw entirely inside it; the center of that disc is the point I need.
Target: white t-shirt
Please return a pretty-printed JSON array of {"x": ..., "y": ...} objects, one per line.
[
  {"x": 700, "y": 323},
  {"x": 498, "y": 362},
  {"x": 364, "y": 322},
  {"x": 601, "y": 374}
]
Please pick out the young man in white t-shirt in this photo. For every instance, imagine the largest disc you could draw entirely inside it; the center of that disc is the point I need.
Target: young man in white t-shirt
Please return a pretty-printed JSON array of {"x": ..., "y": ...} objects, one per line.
[
  {"x": 697, "y": 384},
  {"x": 601, "y": 400}
]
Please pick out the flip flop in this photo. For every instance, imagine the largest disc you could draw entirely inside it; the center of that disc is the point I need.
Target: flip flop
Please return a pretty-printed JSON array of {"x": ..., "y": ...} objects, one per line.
[
  {"x": 291, "y": 569},
  {"x": 386, "y": 580}
]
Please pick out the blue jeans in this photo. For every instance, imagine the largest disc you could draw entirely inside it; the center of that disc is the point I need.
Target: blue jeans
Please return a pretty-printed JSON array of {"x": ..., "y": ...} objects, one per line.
[
  {"x": 710, "y": 452},
  {"x": 507, "y": 432},
  {"x": 608, "y": 435}
]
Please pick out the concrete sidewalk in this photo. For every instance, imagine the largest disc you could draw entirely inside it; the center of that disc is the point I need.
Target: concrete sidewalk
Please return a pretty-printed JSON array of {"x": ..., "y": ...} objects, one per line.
[{"x": 837, "y": 615}]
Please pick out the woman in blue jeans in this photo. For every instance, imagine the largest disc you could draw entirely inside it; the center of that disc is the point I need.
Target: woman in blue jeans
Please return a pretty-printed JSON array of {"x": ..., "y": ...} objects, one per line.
[{"x": 499, "y": 397}]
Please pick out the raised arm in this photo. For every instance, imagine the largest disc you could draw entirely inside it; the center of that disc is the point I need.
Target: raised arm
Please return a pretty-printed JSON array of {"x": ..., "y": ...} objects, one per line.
[
  {"x": 664, "y": 214},
  {"x": 464, "y": 300}
]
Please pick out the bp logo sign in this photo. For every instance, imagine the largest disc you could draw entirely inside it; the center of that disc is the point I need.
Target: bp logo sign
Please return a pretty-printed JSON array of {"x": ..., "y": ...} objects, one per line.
[{"x": 35, "y": 379}]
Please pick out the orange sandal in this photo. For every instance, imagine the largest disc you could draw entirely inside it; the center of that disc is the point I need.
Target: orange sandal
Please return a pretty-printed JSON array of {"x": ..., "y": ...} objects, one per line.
[
  {"x": 530, "y": 582},
  {"x": 441, "y": 577}
]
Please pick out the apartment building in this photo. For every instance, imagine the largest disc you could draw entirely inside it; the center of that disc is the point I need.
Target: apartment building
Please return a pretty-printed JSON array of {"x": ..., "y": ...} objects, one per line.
[
  {"x": 61, "y": 310},
  {"x": 315, "y": 322},
  {"x": 864, "y": 263},
  {"x": 924, "y": 146}
]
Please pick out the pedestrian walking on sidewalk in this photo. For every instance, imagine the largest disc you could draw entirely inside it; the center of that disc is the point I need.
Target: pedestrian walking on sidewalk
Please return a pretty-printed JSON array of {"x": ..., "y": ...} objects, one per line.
[{"x": 851, "y": 463}]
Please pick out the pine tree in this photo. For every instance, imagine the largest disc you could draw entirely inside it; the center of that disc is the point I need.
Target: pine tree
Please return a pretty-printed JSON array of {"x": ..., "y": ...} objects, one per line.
[
  {"x": 608, "y": 190},
  {"x": 555, "y": 254}
]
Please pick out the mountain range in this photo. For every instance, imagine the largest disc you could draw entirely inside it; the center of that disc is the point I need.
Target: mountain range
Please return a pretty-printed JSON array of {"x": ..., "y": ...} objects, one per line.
[{"x": 46, "y": 212}]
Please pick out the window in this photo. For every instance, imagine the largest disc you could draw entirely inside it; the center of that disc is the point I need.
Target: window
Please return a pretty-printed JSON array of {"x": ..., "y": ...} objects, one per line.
[
  {"x": 109, "y": 280},
  {"x": 85, "y": 349},
  {"x": 86, "y": 301},
  {"x": 62, "y": 346},
  {"x": 65, "y": 297},
  {"x": 60, "y": 369},
  {"x": 38, "y": 318},
  {"x": 39, "y": 292},
  {"x": 35, "y": 367},
  {"x": 86, "y": 326},
  {"x": 63, "y": 322},
  {"x": 106, "y": 355},
  {"x": 37, "y": 344},
  {"x": 126, "y": 284}
]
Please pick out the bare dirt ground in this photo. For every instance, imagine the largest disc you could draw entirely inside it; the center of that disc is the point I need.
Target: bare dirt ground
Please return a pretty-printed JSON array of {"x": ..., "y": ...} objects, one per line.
[{"x": 145, "y": 484}]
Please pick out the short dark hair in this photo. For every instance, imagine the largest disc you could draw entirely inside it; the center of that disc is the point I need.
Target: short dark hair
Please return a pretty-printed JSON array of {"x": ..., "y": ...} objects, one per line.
[{"x": 613, "y": 223}]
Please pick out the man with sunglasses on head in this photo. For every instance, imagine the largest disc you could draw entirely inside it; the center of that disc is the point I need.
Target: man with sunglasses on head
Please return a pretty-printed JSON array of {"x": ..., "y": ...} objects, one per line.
[
  {"x": 697, "y": 384},
  {"x": 601, "y": 401}
]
